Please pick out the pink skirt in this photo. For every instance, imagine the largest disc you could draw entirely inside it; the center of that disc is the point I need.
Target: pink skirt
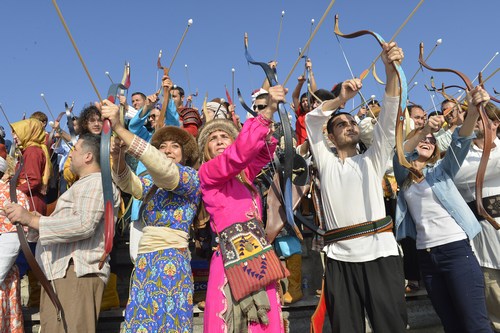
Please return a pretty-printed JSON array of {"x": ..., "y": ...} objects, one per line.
[{"x": 216, "y": 304}]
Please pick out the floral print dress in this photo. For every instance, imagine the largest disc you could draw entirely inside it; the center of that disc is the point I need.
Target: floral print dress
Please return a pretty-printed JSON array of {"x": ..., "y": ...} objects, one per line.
[{"x": 161, "y": 291}]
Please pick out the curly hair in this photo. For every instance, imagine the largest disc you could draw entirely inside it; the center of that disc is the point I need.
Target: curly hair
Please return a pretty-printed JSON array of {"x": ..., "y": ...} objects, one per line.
[{"x": 85, "y": 116}]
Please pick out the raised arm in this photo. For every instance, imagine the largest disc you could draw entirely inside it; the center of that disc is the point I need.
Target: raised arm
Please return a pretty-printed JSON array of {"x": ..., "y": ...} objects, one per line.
[
  {"x": 296, "y": 92},
  {"x": 249, "y": 146},
  {"x": 164, "y": 171}
]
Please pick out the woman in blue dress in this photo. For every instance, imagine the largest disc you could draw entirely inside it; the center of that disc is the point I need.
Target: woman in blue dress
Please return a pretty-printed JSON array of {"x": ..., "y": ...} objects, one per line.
[{"x": 161, "y": 290}]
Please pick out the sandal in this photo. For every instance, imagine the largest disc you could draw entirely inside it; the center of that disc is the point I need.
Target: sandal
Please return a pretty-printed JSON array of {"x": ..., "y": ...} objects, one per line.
[{"x": 411, "y": 288}]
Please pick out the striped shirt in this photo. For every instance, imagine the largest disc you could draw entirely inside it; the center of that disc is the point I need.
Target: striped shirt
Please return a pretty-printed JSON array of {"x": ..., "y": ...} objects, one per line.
[{"x": 75, "y": 230}]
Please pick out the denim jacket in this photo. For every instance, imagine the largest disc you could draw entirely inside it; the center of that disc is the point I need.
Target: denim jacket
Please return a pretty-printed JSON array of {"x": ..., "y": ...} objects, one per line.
[{"x": 440, "y": 178}]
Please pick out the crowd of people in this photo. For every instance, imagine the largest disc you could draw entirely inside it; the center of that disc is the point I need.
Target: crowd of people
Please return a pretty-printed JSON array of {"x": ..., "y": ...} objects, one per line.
[{"x": 207, "y": 175}]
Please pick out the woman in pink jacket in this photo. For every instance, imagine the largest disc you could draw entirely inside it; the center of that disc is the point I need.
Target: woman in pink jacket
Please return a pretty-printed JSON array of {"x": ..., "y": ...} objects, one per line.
[{"x": 231, "y": 161}]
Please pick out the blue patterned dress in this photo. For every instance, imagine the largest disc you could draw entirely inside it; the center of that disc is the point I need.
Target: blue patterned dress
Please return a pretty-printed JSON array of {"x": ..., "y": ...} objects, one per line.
[{"x": 161, "y": 291}]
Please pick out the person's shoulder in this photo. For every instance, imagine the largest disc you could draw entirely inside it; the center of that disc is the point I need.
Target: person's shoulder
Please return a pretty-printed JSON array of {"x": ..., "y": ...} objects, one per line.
[
  {"x": 89, "y": 178},
  {"x": 33, "y": 149},
  {"x": 188, "y": 170}
]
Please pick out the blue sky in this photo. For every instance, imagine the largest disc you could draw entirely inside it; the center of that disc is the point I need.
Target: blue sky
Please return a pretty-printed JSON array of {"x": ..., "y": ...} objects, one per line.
[{"x": 37, "y": 56}]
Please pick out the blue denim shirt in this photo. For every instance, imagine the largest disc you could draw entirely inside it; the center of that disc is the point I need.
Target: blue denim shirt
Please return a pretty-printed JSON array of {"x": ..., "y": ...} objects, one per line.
[{"x": 440, "y": 178}]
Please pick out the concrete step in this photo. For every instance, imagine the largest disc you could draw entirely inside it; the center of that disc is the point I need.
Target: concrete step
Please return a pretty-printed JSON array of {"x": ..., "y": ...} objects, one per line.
[{"x": 421, "y": 317}]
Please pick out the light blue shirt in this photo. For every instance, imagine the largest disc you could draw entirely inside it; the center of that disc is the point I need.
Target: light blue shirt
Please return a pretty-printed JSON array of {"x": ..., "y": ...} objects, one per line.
[
  {"x": 440, "y": 178},
  {"x": 137, "y": 126}
]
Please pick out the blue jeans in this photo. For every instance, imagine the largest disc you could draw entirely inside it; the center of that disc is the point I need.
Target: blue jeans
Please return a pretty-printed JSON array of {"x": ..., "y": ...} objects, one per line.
[{"x": 455, "y": 285}]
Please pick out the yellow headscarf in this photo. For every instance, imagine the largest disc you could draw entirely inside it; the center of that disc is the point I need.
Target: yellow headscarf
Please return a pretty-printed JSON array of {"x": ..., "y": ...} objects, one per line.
[{"x": 30, "y": 133}]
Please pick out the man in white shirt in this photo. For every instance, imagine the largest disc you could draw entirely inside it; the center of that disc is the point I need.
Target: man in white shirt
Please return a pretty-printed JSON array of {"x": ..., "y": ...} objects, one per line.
[{"x": 362, "y": 273}]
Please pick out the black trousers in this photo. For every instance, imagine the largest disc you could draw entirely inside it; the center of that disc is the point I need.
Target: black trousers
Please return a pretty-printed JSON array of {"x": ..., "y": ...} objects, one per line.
[
  {"x": 410, "y": 259},
  {"x": 376, "y": 287}
]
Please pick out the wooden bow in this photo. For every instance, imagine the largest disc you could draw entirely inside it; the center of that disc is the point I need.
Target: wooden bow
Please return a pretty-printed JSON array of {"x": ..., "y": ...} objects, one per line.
[
  {"x": 244, "y": 104},
  {"x": 166, "y": 94},
  {"x": 107, "y": 186},
  {"x": 106, "y": 179},
  {"x": 287, "y": 134},
  {"x": 403, "y": 96},
  {"x": 166, "y": 91}
]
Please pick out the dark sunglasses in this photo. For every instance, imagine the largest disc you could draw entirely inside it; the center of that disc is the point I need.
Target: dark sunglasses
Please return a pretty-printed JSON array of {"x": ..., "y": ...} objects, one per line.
[
  {"x": 152, "y": 116},
  {"x": 259, "y": 107},
  {"x": 429, "y": 139}
]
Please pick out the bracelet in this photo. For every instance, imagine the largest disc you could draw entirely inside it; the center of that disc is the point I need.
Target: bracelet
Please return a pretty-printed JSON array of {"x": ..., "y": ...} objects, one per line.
[{"x": 264, "y": 120}]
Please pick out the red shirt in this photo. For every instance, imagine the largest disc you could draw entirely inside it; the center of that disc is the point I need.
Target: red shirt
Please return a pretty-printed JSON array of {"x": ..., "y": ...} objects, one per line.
[{"x": 300, "y": 126}]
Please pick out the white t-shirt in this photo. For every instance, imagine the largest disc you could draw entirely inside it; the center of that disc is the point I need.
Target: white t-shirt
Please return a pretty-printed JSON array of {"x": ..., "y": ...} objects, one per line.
[{"x": 434, "y": 224}]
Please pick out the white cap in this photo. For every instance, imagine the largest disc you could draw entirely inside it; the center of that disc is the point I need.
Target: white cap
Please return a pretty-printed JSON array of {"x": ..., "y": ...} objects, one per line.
[{"x": 257, "y": 93}]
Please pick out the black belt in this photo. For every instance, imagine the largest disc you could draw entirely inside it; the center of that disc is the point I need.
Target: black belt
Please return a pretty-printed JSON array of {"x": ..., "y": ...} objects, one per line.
[{"x": 491, "y": 205}]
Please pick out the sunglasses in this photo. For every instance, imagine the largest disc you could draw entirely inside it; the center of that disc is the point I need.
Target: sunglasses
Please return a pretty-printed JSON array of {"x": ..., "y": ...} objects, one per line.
[
  {"x": 429, "y": 139},
  {"x": 259, "y": 107},
  {"x": 152, "y": 116}
]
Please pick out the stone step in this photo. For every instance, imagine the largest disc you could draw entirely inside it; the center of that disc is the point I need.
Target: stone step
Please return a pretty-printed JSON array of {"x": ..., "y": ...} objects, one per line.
[{"x": 421, "y": 316}]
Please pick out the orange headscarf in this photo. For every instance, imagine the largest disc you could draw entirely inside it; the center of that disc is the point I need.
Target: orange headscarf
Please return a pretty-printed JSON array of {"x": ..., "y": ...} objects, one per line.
[{"x": 30, "y": 133}]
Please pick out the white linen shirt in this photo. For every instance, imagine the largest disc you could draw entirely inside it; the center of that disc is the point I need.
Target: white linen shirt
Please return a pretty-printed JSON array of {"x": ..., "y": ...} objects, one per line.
[{"x": 351, "y": 190}]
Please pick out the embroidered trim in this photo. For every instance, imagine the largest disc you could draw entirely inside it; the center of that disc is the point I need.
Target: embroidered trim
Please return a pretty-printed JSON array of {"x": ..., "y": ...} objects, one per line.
[{"x": 137, "y": 147}]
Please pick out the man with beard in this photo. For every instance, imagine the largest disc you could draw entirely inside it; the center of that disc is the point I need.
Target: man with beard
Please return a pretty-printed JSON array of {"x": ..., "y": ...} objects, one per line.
[
  {"x": 363, "y": 273},
  {"x": 190, "y": 119}
]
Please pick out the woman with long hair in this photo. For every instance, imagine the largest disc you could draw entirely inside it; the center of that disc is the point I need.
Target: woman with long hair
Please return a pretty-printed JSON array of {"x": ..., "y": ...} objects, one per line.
[{"x": 431, "y": 210}]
